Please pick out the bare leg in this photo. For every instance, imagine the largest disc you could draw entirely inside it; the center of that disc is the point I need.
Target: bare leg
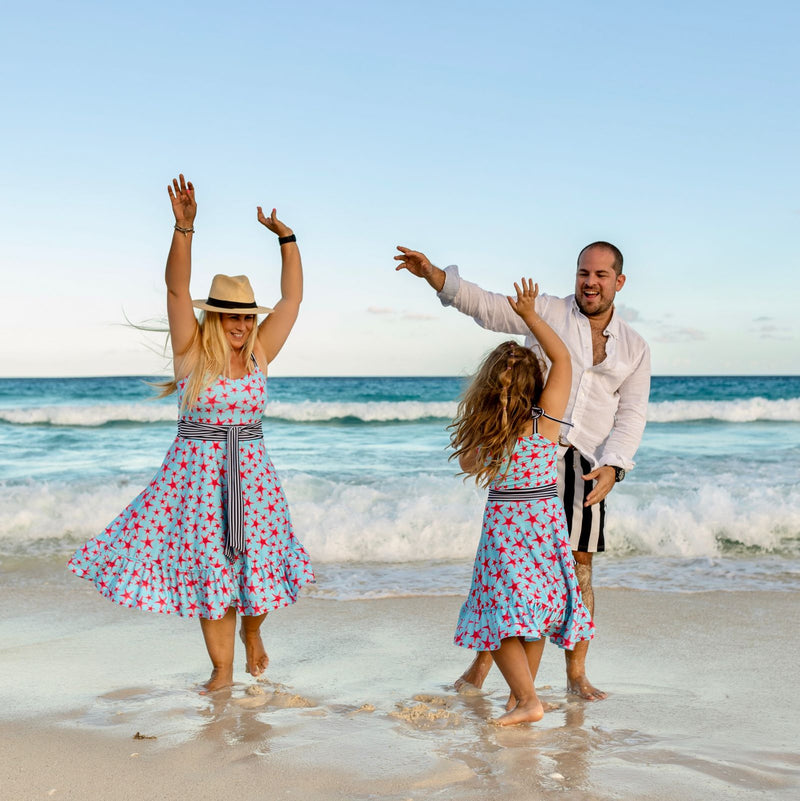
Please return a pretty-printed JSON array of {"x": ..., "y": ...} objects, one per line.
[
  {"x": 576, "y": 659},
  {"x": 250, "y": 632},
  {"x": 534, "y": 667},
  {"x": 477, "y": 672},
  {"x": 518, "y": 662},
  {"x": 219, "y": 636}
]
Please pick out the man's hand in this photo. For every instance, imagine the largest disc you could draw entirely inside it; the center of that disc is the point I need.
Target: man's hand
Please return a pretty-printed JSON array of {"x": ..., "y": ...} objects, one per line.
[
  {"x": 417, "y": 264},
  {"x": 604, "y": 476}
]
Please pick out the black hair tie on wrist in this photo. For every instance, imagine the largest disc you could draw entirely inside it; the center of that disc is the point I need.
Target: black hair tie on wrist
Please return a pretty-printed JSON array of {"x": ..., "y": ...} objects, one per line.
[{"x": 285, "y": 240}]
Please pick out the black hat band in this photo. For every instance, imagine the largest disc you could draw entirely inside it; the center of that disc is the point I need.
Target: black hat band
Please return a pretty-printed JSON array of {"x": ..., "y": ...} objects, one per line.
[{"x": 231, "y": 304}]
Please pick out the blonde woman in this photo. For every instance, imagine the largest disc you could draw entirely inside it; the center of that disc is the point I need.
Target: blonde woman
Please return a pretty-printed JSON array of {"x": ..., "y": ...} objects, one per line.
[
  {"x": 211, "y": 535},
  {"x": 523, "y": 583}
]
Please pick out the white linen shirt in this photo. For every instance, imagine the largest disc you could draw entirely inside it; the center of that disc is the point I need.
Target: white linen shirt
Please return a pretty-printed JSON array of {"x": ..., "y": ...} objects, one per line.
[{"x": 608, "y": 401}]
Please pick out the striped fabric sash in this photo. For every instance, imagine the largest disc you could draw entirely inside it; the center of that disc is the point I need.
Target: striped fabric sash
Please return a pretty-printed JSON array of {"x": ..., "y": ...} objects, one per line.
[
  {"x": 524, "y": 493},
  {"x": 232, "y": 435}
]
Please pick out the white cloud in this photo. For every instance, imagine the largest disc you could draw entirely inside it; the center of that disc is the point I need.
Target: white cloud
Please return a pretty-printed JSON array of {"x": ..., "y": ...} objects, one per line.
[
  {"x": 670, "y": 334},
  {"x": 627, "y": 313},
  {"x": 419, "y": 317},
  {"x": 770, "y": 330}
]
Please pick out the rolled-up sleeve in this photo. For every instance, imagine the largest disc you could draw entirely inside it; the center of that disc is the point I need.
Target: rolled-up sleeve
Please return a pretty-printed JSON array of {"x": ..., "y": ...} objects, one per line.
[
  {"x": 631, "y": 416},
  {"x": 490, "y": 310}
]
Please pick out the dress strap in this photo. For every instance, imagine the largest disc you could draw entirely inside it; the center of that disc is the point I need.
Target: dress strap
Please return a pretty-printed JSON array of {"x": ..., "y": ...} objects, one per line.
[{"x": 538, "y": 411}]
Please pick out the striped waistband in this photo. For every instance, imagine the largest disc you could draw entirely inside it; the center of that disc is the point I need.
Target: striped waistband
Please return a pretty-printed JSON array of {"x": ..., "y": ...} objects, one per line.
[
  {"x": 219, "y": 433},
  {"x": 234, "y": 531},
  {"x": 524, "y": 493}
]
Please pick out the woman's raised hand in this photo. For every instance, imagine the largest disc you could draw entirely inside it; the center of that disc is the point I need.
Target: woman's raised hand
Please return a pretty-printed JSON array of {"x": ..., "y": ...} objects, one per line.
[
  {"x": 184, "y": 206},
  {"x": 525, "y": 302},
  {"x": 273, "y": 223}
]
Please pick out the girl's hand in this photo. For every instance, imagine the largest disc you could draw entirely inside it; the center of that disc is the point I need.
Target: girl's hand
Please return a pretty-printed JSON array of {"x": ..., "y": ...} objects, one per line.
[
  {"x": 525, "y": 303},
  {"x": 273, "y": 223},
  {"x": 184, "y": 206}
]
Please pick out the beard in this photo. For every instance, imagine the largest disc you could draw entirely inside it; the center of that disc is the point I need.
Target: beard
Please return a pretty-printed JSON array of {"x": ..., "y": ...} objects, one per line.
[{"x": 598, "y": 307}]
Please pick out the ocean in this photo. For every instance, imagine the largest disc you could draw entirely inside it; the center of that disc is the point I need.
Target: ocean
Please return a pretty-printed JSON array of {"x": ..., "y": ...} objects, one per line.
[{"x": 713, "y": 502}]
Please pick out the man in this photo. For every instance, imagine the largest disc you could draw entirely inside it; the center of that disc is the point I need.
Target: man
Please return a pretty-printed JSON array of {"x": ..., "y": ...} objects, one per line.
[{"x": 607, "y": 404}]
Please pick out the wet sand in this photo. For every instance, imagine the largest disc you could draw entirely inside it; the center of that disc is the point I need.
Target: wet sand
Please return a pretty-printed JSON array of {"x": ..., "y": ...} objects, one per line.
[{"x": 358, "y": 703}]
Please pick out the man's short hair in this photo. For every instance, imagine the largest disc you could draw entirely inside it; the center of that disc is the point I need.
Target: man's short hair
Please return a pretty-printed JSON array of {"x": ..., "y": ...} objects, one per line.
[{"x": 613, "y": 249}]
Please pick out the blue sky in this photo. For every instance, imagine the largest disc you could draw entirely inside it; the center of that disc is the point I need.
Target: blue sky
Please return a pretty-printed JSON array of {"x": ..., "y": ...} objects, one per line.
[{"x": 502, "y": 138}]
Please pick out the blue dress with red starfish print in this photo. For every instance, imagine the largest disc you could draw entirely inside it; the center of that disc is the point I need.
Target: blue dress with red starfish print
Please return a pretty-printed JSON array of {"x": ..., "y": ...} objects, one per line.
[
  {"x": 523, "y": 581},
  {"x": 165, "y": 551}
]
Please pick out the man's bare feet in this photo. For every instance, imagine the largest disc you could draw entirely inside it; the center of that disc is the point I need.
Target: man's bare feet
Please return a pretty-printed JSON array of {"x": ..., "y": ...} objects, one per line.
[
  {"x": 220, "y": 678},
  {"x": 476, "y": 673},
  {"x": 256, "y": 655},
  {"x": 529, "y": 712},
  {"x": 582, "y": 687}
]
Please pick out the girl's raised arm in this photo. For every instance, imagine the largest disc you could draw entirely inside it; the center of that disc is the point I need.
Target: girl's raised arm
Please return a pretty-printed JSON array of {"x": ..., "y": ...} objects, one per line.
[
  {"x": 555, "y": 394},
  {"x": 180, "y": 312},
  {"x": 272, "y": 333}
]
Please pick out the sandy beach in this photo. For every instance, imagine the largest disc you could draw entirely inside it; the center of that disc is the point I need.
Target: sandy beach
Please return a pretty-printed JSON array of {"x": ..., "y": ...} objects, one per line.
[{"x": 358, "y": 703}]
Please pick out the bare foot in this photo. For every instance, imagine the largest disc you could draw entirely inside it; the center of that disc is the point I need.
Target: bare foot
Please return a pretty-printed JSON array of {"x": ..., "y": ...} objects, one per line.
[
  {"x": 581, "y": 686},
  {"x": 529, "y": 712},
  {"x": 256, "y": 655},
  {"x": 512, "y": 702},
  {"x": 220, "y": 678},
  {"x": 475, "y": 674}
]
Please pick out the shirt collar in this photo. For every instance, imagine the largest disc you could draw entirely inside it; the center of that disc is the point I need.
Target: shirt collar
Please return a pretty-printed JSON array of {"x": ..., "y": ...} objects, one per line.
[{"x": 612, "y": 329}]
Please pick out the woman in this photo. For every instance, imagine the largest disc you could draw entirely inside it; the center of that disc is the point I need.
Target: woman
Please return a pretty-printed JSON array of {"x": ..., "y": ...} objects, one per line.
[{"x": 211, "y": 535}]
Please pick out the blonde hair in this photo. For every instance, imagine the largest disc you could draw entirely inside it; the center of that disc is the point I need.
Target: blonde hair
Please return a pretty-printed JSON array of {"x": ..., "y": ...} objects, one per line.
[
  {"x": 207, "y": 358},
  {"x": 495, "y": 408}
]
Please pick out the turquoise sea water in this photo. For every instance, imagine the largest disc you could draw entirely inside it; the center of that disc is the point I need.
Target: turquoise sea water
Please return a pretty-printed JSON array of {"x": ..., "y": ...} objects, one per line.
[{"x": 712, "y": 503}]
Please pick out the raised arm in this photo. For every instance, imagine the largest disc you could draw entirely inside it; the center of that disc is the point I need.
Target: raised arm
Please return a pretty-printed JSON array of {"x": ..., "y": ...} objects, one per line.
[
  {"x": 556, "y": 390},
  {"x": 272, "y": 333},
  {"x": 182, "y": 322},
  {"x": 489, "y": 309}
]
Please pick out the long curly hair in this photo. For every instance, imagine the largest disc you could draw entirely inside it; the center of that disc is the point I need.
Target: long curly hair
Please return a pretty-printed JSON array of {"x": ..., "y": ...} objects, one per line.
[{"x": 495, "y": 408}]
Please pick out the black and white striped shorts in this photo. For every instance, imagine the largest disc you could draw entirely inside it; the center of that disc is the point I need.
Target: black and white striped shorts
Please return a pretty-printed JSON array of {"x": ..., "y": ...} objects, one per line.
[{"x": 586, "y": 524}]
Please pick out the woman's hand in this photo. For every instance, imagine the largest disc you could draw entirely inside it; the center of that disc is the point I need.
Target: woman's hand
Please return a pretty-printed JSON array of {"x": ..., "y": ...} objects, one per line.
[
  {"x": 184, "y": 206},
  {"x": 525, "y": 303},
  {"x": 273, "y": 223}
]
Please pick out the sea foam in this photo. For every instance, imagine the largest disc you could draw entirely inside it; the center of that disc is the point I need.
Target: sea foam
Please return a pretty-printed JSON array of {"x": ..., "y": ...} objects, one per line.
[
  {"x": 734, "y": 411},
  {"x": 422, "y": 518}
]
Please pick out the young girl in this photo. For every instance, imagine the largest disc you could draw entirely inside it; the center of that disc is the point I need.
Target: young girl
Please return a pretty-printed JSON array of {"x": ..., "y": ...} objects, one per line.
[
  {"x": 523, "y": 583},
  {"x": 211, "y": 535}
]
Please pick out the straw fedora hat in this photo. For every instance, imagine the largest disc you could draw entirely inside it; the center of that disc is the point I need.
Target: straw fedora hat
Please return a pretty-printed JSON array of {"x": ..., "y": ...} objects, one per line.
[{"x": 231, "y": 294}]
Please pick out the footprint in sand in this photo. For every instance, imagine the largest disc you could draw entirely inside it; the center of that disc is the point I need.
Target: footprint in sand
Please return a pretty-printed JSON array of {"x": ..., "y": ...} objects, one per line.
[
  {"x": 256, "y": 696},
  {"x": 291, "y": 700},
  {"x": 349, "y": 710},
  {"x": 434, "y": 700},
  {"x": 426, "y": 715}
]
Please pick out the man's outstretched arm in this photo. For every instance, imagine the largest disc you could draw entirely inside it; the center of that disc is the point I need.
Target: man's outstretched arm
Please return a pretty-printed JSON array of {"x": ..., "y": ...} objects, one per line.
[{"x": 489, "y": 309}]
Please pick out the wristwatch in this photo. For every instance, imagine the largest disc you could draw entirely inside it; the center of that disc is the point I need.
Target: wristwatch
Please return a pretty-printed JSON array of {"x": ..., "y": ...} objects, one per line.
[{"x": 619, "y": 473}]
